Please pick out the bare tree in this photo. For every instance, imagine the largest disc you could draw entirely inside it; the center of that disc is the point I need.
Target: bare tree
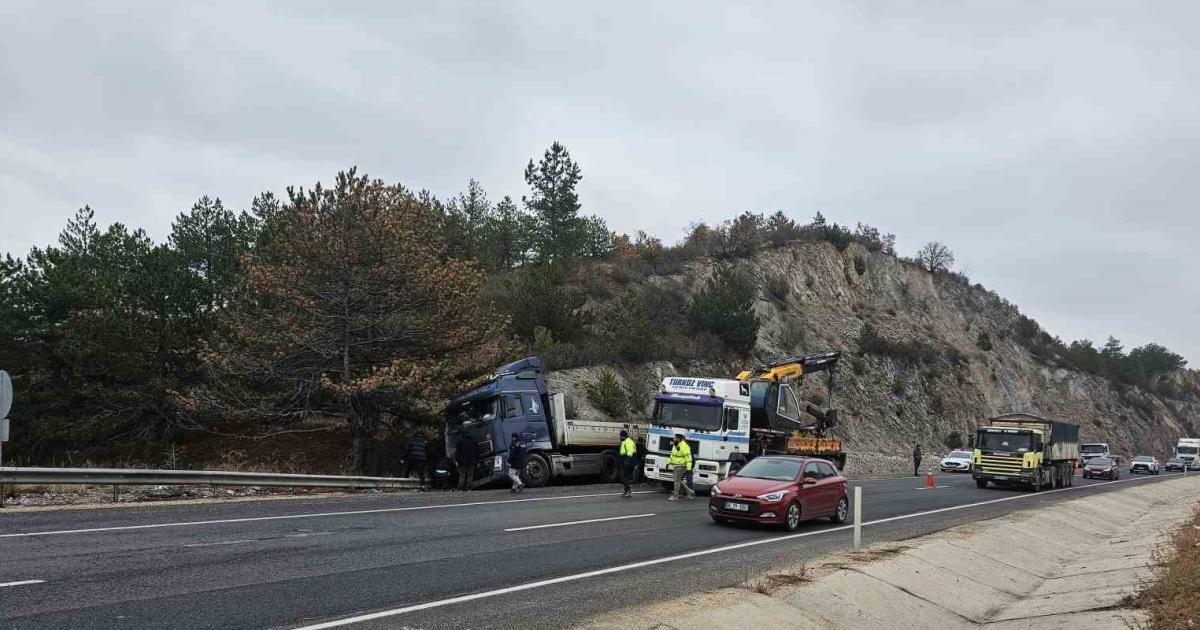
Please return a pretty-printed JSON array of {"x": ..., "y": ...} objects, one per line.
[{"x": 936, "y": 256}]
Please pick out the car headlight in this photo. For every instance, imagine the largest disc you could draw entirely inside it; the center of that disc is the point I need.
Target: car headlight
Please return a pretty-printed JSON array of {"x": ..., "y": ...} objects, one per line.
[
  {"x": 716, "y": 489},
  {"x": 772, "y": 497}
]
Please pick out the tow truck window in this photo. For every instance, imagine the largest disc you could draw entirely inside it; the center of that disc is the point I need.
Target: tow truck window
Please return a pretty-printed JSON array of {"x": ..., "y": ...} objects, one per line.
[
  {"x": 687, "y": 416},
  {"x": 1005, "y": 442},
  {"x": 1094, "y": 448}
]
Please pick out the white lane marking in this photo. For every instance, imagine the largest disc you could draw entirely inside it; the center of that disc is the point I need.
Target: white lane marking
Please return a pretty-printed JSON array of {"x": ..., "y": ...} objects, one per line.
[
  {"x": 590, "y": 520},
  {"x": 21, "y": 583},
  {"x": 933, "y": 488},
  {"x": 223, "y": 542},
  {"x": 683, "y": 556},
  {"x": 313, "y": 515}
]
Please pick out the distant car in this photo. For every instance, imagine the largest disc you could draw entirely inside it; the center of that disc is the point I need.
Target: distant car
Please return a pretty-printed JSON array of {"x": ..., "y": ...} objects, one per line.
[
  {"x": 781, "y": 490},
  {"x": 1101, "y": 468},
  {"x": 957, "y": 461},
  {"x": 1144, "y": 464},
  {"x": 1174, "y": 464}
]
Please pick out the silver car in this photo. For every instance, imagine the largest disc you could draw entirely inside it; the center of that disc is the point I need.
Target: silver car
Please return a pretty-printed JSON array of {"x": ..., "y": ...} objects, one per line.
[{"x": 957, "y": 461}]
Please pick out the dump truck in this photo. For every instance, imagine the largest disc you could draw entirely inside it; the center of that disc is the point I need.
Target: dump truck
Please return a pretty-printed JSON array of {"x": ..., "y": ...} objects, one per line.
[
  {"x": 1021, "y": 449},
  {"x": 728, "y": 422},
  {"x": 514, "y": 399}
]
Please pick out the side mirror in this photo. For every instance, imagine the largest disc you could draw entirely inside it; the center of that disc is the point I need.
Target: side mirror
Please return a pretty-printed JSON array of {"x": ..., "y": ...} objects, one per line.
[{"x": 808, "y": 481}]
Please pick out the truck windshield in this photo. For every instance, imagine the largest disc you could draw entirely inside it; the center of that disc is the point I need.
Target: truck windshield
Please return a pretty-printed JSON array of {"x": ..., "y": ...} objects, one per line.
[
  {"x": 1005, "y": 442},
  {"x": 1186, "y": 450},
  {"x": 1094, "y": 448},
  {"x": 476, "y": 411},
  {"x": 687, "y": 416}
]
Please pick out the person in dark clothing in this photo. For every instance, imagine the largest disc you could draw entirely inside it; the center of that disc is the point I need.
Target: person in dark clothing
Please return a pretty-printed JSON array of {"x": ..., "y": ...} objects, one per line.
[
  {"x": 516, "y": 461},
  {"x": 443, "y": 473},
  {"x": 466, "y": 455},
  {"x": 418, "y": 457},
  {"x": 916, "y": 460}
]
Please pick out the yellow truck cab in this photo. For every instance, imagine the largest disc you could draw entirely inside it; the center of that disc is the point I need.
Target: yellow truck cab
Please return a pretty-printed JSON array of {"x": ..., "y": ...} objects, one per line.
[{"x": 1022, "y": 449}]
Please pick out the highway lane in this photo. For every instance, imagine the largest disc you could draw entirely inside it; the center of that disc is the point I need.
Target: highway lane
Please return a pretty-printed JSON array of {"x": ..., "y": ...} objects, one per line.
[{"x": 208, "y": 566}]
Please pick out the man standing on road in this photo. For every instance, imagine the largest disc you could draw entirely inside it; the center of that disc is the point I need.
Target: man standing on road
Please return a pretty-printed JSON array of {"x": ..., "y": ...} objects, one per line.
[
  {"x": 681, "y": 465},
  {"x": 516, "y": 461},
  {"x": 418, "y": 456},
  {"x": 916, "y": 460},
  {"x": 626, "y": 460},
  {"x": 466, "y": 455}
]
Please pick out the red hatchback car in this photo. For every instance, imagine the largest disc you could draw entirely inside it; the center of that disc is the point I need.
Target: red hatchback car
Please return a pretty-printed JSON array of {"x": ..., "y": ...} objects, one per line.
[{"x": 781, "y": 490}]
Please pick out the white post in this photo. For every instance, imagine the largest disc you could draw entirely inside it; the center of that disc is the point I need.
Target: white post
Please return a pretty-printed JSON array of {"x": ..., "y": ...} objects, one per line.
[{"x": 857, "y": 517}]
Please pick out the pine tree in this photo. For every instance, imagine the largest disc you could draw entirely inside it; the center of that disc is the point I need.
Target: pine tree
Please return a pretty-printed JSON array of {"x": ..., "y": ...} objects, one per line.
[{"x": 555, "y": 204}]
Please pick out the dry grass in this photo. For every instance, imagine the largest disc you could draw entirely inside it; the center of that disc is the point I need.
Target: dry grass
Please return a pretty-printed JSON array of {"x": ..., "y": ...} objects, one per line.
[
  {"x": 1172, "y": 601},
  {"x": 768, "y": 584}
]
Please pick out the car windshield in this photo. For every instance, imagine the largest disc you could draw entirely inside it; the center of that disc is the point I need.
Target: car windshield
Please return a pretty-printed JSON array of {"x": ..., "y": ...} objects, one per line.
[
  {"x": 1187, "y": 450},
  {"x": 1094, "y": 448},
  {"x": 476, "y": 411},
  {"x": 959, "y": 455},
  {"x": 1100, "y": 461},
  {"x": 1143, "y": 458},
  {"x": 687, "y": 416},
  {"x": 1005, "y": 442},
  {"x": 773, "y": 468}
]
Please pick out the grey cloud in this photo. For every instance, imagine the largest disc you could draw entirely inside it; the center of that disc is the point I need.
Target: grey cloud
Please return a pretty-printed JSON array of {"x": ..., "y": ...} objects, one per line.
[{"x": 1052, "y": 145}]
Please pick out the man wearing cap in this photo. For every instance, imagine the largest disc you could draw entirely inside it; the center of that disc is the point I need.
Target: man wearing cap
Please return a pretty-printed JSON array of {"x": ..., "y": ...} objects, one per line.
[{"x": 681, "y": 465}]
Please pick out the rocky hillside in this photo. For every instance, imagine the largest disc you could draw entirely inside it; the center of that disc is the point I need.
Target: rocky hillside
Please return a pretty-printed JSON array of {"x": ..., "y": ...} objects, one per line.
[{"x": 938, "y": 355}]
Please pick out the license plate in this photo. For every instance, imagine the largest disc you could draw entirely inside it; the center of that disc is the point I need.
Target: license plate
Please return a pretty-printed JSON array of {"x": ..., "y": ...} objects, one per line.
[
  {"x": 1000, "y": 478},
  {"x": 737, "y": 507}
]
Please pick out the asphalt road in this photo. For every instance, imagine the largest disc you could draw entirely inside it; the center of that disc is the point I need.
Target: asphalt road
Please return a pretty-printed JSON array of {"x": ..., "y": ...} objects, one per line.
[{"x": 427, "y": 560}]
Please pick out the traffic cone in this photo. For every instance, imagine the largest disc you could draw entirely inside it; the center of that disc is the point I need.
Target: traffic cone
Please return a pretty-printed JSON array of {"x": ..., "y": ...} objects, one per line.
[{"x": 929, "y": 480}]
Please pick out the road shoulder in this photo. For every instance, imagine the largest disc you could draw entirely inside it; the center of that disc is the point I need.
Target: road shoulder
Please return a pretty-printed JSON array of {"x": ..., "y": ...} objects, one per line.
[{"x": 1068, "y": 564}]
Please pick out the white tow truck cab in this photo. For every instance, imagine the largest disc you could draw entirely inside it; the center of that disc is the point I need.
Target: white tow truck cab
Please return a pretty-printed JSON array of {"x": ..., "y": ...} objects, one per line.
[
  {"x": 1088, "y": 452},
  {"x": 713, "y": 414},
  {"x": 1188, "y": 449}
]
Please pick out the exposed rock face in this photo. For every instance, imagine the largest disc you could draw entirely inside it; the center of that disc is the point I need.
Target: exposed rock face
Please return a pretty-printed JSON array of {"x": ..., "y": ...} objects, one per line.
[{"x": 886, "y": 402}]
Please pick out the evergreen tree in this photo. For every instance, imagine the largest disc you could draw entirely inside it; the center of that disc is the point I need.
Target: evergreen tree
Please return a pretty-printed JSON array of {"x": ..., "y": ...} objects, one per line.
[
  {"x": 725, "y": 308},
  {"x": 555, "y": 204}
]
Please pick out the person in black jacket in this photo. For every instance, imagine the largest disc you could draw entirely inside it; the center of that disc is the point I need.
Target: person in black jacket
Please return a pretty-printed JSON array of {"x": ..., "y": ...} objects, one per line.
[
  {"x": 916, "y": 460},
  {"x": 516, "y": 461},
  {"x": 466, "y": 455},
  {"x": 417, "y": 457}
]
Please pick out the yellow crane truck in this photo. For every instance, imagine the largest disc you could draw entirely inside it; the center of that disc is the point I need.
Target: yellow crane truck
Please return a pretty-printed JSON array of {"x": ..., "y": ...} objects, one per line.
[
  {"x": 1021, "y": 449},
  {"x": 781, "y": 421}
]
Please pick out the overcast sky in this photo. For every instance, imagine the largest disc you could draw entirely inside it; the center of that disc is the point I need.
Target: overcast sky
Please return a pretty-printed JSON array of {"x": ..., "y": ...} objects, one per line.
[{"x": 1055, "y": 146}]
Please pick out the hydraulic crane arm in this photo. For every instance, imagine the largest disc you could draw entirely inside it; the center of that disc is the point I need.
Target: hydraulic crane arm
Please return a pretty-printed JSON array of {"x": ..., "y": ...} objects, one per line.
[{"x": 793, "y": 367}]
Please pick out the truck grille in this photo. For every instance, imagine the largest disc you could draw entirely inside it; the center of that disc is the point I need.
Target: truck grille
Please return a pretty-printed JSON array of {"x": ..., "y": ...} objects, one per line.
[{"x": 1000, "y": 465}]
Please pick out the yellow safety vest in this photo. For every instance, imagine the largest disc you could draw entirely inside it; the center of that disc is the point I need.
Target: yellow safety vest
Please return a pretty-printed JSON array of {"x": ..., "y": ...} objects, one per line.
[
  {"x": 628, "y": 448},
  {"x": 681, "y": 455}
]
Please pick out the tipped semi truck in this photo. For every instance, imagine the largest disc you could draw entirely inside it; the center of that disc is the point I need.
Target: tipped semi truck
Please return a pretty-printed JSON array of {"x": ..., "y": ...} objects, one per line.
[
  {"x": 728, "y": 422},
  {"x": 514, "y": 399},
  {"x": 1020, "y": 449}
]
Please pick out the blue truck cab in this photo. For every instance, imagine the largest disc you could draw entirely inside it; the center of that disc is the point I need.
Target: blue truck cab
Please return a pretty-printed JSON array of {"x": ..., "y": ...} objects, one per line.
[{"x": 515, "y": 399}]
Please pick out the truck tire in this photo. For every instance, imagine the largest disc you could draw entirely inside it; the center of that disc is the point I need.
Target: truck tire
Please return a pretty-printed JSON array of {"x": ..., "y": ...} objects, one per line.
[
  {"x": 981, "y": 483},
  {"x": 608, "y": 468},
  {"x": 669, "y": 486},
  {"x": 536, "y": 472}
]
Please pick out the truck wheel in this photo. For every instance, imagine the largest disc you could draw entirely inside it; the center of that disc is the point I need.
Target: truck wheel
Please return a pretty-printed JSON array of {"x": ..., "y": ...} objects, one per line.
[
  {"x": 608, "y": 468},
  {"x": 981, "y": 483},
  {"x": 669, "y": 486},
  {"x": 537, "y": 471}
]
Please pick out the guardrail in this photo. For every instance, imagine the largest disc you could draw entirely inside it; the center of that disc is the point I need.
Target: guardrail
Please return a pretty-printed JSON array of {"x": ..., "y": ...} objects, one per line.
[{"x": 149, "y": 477}]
